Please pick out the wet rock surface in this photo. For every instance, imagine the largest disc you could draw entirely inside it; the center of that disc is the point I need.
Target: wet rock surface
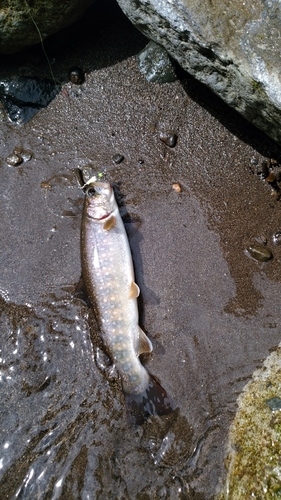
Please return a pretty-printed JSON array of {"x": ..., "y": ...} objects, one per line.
[
  {"x": 23, "y": 96},
  {"x": 24, "y": 23},
  {"x": 211, "y": 313},
  {"x": 232, "y": 47}
]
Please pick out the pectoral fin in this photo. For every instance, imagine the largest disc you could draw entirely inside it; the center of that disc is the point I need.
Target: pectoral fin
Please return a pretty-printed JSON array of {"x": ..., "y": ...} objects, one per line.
[
  {"x": 81, "y": 293},
  {"x": 110, "y": 223},
  {"x": 134, "y": 291},
  {"x": 145, "y": 345}
]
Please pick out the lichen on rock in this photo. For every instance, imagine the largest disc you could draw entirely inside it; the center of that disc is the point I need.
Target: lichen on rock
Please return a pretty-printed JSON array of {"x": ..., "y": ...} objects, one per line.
[{"x": 253, "y": 462}]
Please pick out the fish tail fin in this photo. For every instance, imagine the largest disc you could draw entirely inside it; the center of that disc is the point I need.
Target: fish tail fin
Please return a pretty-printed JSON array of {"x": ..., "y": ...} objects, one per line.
[{"x": 154, "y": 400}]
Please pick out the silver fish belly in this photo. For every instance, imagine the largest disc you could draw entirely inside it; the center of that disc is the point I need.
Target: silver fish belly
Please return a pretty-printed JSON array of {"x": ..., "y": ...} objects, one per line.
[{"x": 108, "y": 275}]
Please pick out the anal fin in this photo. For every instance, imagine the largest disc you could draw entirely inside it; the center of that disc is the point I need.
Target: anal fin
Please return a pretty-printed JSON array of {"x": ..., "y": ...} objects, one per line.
[{"x": 145, "y": 345}]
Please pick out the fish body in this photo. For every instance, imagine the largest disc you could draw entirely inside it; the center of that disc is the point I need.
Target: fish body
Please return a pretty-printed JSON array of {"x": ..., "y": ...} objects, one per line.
[{"x": 108, "y": 276}]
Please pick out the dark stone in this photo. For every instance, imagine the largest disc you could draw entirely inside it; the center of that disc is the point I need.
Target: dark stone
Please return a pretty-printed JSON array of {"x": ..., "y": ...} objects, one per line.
[
  {"x": 155, "y": 63},
  {"x": 23, "y": 97},
  {"x": 169, "y": 138},
  {"x": 118, "y": 158},
  {"x": 76, "y": 75}
]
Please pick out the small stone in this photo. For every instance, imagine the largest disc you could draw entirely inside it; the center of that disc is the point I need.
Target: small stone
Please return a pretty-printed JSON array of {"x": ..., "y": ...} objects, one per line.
[
  {"x": 154, "y": 62},
  {"x": 76, "y": 75},
  {"x": 274, "y": 404},
  {"x": 118, "y": 158},
  {"x": 259, "y": 252},
  {"x": 254, "y": 161},
  {"x": 271, "y": 177},
  {"x": 45, "y": 185},
  {"x": 140, "y": 161},
  {"x": 176, "y": 187},
  {"x": 276, "y": 238},
  {"x": 169, "y": 138},
  {"x": 264, "y": 169},
  {"x": 14, "y": 159},
  {"x": 24, "y": 154},
  {"x": 261, "y": 239}
]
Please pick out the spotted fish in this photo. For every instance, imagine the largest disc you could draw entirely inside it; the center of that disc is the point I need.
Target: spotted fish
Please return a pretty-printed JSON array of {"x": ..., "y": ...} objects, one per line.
[{"x": 108, "y": 275}]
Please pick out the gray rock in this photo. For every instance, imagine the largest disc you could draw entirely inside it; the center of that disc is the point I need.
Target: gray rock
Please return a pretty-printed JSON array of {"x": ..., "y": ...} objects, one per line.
[
  {"x": 155, "y": 63},
  {"x": 232, "y": 47},
  {"x": 22, "y": 25}
]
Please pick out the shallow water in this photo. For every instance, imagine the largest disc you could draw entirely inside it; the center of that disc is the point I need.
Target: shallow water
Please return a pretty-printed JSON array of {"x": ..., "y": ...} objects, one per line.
[{"x": 211, "y": 312}]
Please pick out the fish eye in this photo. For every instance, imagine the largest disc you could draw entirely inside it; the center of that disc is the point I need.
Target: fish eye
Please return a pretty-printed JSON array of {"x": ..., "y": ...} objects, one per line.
[
  {"x": 90, "y": 191},
  {"x": 93, "y": 190}
]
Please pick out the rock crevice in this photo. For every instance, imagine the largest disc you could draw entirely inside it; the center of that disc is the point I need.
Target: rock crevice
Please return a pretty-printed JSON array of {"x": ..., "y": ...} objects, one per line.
[{"x": 231, "y": 47}]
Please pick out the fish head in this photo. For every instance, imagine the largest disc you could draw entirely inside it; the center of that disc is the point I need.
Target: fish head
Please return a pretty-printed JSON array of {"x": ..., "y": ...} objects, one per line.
[{"x": 100, "y": 201}]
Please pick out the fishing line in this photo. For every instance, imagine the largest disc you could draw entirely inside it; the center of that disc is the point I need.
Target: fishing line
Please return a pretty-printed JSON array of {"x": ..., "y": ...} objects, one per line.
[{"x": 41, "y": 40}]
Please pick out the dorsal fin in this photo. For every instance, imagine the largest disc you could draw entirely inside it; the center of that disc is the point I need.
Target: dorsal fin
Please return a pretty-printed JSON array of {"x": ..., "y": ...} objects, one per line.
[
  {"x": 134, "y": 291},
  {"x": 109, "y": 223},
  {"x": 145, "y": 345}
]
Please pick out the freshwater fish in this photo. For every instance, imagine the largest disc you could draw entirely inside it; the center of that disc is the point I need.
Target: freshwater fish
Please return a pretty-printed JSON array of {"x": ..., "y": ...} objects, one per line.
[{"x": 108, "y": 276}]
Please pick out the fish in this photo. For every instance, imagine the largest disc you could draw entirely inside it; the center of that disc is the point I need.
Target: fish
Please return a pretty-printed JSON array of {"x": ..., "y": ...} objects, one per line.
[{"x": 109, "y": 281}]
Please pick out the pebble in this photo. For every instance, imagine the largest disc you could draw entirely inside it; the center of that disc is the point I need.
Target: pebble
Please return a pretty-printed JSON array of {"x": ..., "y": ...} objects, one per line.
[
  {"x": 177, "y": 187},
  {"x": 118, "y": 158},
  {"x": 276, "y": 238},
  {"x": 14, "y": 160},
  {"x": 169, "y": 138},
  {"x": 76, "y": 75},
  {"x": 261, "y": 170},
  {"x": 259, "y": 252},
  {"x": 154, "y": 62},
  {"x": 271, "y": 177},
  {"x": 22, "y": 153},
  {"x": 45, "y": 185}
]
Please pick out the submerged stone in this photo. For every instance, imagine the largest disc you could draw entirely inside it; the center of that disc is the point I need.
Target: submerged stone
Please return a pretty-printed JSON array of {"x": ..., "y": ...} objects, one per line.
[
  {"x": 14, "y": 159},
  {"x": 23, "y": 97},
  {"x": 155, "y": 63},
  {"x": 259, "y": 252}
]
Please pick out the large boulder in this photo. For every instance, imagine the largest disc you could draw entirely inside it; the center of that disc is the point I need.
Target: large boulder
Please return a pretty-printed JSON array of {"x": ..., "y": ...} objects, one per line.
[
  {"x": 24, "y": 23},
  {"x": 234, "y": 47}
]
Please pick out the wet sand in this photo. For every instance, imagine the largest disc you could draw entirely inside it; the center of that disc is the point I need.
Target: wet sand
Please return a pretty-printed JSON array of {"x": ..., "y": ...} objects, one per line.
[{"x": 211, "y": 311}]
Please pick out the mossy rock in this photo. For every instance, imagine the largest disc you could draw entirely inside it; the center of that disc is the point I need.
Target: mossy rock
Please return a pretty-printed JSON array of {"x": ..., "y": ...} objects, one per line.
[{"x": 25, "y": 22}]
